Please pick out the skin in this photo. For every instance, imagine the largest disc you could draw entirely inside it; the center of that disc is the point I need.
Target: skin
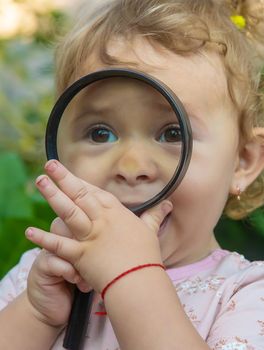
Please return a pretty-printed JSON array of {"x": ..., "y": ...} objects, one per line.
[
  {"x": 94, "y": 256},
  {"x": 140, "y": 150},
  {"x": 215, "y": 136}
]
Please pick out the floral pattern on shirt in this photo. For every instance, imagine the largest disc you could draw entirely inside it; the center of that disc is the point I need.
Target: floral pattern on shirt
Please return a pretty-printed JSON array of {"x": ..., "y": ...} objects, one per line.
[
  {"x": 194, "y": 286},
  {"x": 261, "y": 323},
  {"x": 191, "y": 314},
  {"x": 231, "y": 306},
  {"x": 238, "y": 344},
  {"x": 222, "y": 296}
]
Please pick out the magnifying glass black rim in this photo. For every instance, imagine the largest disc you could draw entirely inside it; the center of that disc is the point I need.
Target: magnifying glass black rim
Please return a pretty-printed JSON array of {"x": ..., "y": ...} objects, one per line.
[{"x": 175, "y": 103}]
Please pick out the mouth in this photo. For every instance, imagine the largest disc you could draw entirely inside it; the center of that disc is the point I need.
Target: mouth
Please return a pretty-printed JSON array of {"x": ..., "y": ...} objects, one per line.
[{"x": 163, "y": 225}]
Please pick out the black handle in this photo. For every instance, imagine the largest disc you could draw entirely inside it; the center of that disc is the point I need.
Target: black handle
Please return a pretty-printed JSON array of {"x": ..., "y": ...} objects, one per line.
[{"x": 78, "y": 321}]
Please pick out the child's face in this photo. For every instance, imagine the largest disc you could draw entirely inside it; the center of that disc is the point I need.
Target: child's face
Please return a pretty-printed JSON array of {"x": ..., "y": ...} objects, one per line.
[
  {"x": 117, "y": 156},
  {"x": 126, "y": 137}
]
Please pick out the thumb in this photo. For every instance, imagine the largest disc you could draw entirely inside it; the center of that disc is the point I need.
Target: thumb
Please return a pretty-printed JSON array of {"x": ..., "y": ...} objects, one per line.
[{"x": 154, "y": 217}]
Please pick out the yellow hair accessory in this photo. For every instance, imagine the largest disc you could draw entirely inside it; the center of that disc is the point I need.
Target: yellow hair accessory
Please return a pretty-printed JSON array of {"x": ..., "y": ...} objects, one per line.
[{"x": 239, "y": 21}]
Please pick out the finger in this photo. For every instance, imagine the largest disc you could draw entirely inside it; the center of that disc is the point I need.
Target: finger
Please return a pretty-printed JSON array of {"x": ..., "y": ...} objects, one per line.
[
  {"x": 64, "y": 247},
  {"x": 83, "y": 286},
  {"x": 54, "y": 266},
  {"x": 74, "y": 217},
  {"x": 60, "y": 228},
  {"x": 155, "y": 216},
  {"x": 63, "y": 176},
  {"x": 79, "y": 191}
]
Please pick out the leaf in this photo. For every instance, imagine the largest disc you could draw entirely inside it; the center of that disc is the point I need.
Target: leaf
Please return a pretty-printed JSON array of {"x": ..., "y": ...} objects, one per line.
[
  {"x": 12, "y": 170},
  {"x": 256, "y": 220},
  {"x": 12, "y": 239},
  {"x": 240, "y": 236},
  {"x": 13, "y": 243},
  {"x": 14, "y": 201}
]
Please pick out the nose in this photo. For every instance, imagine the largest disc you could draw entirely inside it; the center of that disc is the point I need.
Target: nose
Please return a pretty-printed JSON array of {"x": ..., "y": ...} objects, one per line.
[{"x": 136, "y": 165}]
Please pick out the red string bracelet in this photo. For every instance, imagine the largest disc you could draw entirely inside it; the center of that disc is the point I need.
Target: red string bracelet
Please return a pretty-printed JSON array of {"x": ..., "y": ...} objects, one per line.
[{"x": 126, "y": 273}]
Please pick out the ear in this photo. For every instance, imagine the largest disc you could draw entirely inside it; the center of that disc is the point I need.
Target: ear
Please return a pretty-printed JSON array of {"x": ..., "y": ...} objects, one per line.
[{"x": 251, "y": 162}]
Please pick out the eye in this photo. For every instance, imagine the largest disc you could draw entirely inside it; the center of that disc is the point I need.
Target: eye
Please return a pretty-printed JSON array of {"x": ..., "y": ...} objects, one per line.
[
  {"x": 171, "y": 134},
  {"x": 101, "y": 134}
]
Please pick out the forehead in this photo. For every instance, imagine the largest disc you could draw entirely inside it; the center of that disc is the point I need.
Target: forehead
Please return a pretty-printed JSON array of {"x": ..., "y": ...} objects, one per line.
[
  {"x": 118, "y": 91},
  {"x": 199, "y": 80},
  {"x": 120, "y": 101}
]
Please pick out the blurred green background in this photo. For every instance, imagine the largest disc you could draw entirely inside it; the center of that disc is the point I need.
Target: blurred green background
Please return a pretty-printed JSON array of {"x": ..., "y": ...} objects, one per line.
[{"x": 28, "y": 31}]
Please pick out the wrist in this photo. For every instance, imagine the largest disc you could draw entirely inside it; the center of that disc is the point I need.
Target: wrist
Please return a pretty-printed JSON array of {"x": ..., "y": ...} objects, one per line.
[
  {"x": 33, "y": 333},
  {"x": 141, "y": 299},
  {"x": 138, "y": 284},
  {"x": 127, "y": 272},
  {"x": 39, "y": 318}
]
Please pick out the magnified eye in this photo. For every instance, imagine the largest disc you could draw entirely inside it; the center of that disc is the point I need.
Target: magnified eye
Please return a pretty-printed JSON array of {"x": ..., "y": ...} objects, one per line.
[
  {"x": 171, "y": 134},
  {"x": 101, "y": 134}
]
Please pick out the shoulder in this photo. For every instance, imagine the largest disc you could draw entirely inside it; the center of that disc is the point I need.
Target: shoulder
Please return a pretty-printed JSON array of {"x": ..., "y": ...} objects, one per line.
[
  {"x": 238, "y": 320},
  {"x": 223, "y": 295},
  {"x": 15, "y": 281},
  {"x": 220, "y": 270},
  {"x": 220, "y": 278},
  {"x": 28, "y": 257},
  {"x": 240, "y": 272}
]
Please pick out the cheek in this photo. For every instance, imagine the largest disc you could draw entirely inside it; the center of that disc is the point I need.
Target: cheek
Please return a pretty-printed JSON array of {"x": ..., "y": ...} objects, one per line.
[
  {"x": 206, "y": 184},
  {"x": 93, "y": 171}
]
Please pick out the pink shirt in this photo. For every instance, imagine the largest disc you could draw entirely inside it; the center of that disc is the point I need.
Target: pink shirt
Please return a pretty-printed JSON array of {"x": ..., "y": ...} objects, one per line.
[{"x": 223, "y": 295}]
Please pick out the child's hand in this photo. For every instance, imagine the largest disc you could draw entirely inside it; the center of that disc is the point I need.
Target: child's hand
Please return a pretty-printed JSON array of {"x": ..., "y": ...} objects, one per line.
[
  {"x": 49, "y": 284},
  {"x": 109, "y": 239}
]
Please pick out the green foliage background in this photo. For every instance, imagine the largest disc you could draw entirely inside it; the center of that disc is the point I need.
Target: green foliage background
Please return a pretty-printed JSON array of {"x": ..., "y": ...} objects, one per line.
[{"x": 26, "y": 99}]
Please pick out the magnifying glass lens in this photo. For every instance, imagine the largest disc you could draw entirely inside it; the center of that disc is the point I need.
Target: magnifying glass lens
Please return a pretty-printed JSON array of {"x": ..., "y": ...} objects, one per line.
[{"x": 123, "y": 136}]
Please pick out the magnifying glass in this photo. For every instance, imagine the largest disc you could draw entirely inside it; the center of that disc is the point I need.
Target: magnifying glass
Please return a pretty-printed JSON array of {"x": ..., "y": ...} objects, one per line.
[{"x": 126, "y": 132}]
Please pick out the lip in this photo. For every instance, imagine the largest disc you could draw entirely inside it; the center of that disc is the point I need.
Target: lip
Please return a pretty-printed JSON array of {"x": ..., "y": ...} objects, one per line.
[{"x": 163, "y": 225}]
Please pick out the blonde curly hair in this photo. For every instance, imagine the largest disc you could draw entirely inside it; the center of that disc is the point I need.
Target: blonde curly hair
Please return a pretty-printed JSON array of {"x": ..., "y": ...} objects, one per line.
[{"x": 183, "y": 27}]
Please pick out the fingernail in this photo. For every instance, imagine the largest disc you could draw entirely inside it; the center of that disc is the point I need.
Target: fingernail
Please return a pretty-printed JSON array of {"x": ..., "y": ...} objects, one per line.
[
  {"x": 77, "y": 279},
  {"x": 29, "y": 232},
  {"x": 42, "y": 181},
  {"x": 51, "y": 166}
]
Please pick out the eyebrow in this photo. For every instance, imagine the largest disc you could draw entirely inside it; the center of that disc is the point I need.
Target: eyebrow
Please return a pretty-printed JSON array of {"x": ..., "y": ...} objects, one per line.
[{"x": 91, "y": 111}]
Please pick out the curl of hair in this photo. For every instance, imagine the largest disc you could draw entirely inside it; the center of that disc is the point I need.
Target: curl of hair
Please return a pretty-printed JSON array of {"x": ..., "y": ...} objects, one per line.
[{"x": 184, "y": 27}]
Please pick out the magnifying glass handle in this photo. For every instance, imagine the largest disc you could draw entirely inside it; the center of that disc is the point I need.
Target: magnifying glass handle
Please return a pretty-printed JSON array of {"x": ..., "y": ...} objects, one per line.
[{"x": 79, "y": 317}]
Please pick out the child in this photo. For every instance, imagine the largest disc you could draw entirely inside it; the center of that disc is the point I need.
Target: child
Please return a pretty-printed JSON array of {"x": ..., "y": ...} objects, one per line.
[{"x": 207, "y": 298}]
